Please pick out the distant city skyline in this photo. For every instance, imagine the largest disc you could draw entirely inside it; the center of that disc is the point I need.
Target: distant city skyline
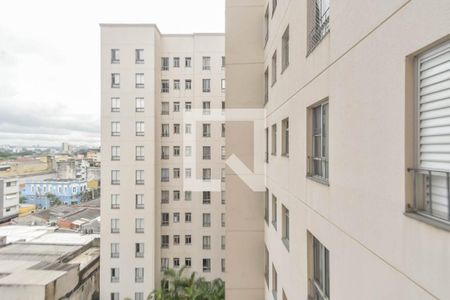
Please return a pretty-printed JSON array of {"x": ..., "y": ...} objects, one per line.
[{"x": 49, "y": 78}]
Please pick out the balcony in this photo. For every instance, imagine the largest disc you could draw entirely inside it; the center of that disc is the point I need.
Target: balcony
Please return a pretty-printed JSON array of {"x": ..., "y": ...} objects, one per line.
[{"x": 431, "y": 195}]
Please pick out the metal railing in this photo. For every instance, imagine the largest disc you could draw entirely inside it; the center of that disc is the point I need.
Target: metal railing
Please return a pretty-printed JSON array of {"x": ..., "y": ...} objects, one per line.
[{"x": 431, "y": 193}]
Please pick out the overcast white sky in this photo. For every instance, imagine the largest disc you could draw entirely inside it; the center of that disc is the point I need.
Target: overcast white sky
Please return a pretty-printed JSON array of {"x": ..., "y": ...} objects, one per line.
[{"x": 49, "y": 60}]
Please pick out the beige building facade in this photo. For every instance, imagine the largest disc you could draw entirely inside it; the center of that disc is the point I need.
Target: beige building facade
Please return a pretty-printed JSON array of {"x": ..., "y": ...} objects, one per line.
[
  {"x": 353, "y": 151},
  {"x": 163, "y": 138}
]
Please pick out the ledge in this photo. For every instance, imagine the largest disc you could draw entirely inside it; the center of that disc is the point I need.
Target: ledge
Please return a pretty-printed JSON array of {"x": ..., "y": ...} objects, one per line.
[
  {"x": 318, "y": 180},
  {"x": 428, "y": 220}
]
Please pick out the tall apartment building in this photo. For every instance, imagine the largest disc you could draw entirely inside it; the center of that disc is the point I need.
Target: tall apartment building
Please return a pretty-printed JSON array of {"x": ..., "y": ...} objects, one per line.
[
  {"x": 9, "y": 198},
  {"x": 163, "y": 138},
  {"x": 354, "y": 97}
]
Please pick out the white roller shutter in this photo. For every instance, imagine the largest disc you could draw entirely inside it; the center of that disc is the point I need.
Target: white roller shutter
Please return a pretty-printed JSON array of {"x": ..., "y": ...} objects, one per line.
[{"x": 433, "y": 70}]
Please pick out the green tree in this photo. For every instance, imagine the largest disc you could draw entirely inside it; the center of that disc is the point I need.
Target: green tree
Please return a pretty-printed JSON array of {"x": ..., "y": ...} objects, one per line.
[{"x": 188, "y": 287}]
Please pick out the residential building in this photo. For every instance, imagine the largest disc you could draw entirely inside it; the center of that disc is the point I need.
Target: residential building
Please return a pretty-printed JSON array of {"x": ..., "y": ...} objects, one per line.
[
  {"x": 9, "y": 198},
  {"x": 47, "y": 192},
  {"x": 152, "y": 151},
  {"x": 346, "y": 193}
]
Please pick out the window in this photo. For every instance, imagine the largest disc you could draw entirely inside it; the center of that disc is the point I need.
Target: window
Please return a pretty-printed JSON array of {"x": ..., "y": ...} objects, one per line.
[
  {"x": 431, "y": 190},
  {"x": 165, "y": 63},
  {"x": 206, "y": 63},
  {"x": 266, "y": 265},
  {"x": 188, "y": 239},
  {"x": 115, "y": 128},
  {"x": 176, "y": 150},
  {"x": 206, "y": 174},
  {"x": 206, "y": 220},
  {"x": 266, "y": 86},
  {"x": 274, "y": 6},
  {"x": 115, "y": 296},
  {"x": 187, "y": 262},
  {"x": 115, "y": 153},
  {"x": 206, "y": 130},
  {"x": 139, "y": 104},
  {"x": 176, "y": 128},
  {"x": 176, "y": 262},
  {"x": 164, "y": 152},
  {"x": 165, "y": 175},
  {"x": 164, "y": 241},
  {"x": 206, "y": 107},
  {"x": 222, "y": 242},
  {"x": 139, "y": 296},
  {"x": 115, "y": 80},
  {"x": 274, "y": 139},
  {"x": 188, "y": 151},
  {"x": 285, "y": 50},
  {"x": 274, "y": 282},
  {"x": 187, "y": 128},
  {"x": 188, "y": 217},
  {"x": 115, "y": 177},
  {"x": 164, "y": 219},
  {"x": 176, "y": 84},
  {"x": 176, "y": 195},
  {"x": 274, "y": 211},
  {"x": 115, "y": 56},
  {"x": 164, "y": 263},
  {"x": 222, "y": 219},
  {"x": 139, "y": 177},
  {"x": 222, "y": 174},
  {"x": 139, "y": 201},
  {"x": 176, "y": 62},
  {"x": 206, "y": 84},
  {"x": 139, "y": 274},
  {"x": 223, "y": 62},
  {"x": 318, "y": 22},
  {"x": 176, "y": 217},
  {"x": 140, "y": 128},
  {"x": 164, "y": 108},
  {"x": 266, "y": 26},
  {"x": 223, "y": 130},
  {"x": 266, "y": 206},
  {"x": 274, "y": 68},
  {"x": 284, "y": 295},
  {"x": 115, "y": 201},
  {"x": 285, "y": 225},
  {"x": 319, "y": 149},
  {"x": 139, "y": 80},
  {"x": 176, "y": 173},
  {"x": 115, "y": 104},
  {"x": 165, "y": 196},
  {"x": 223, "y": 107},
  {"x": 176, "y": 106},
  {"x": 285, "y": 137},
  {"x": 318, "y": 269},
  {"x": 187, "y": 196},
  {"x": 139, "y": 55},
  {"x": 206, "y": 242},
  {"x": 139, "y": 250},
  {"x": 187, "y": 62},
  {"x": 206, "y": 197},
  {"x": 176, "y": 239},
  {"x": 115, "y": 276},
  {"x": 165, "y": 130},
  {"x": 206, "y": 262},
  {"x": 164, "y": 86},
  {"x": 115, "y": 226},
  {"x": 139, "y": 222},
  {"x": 222, "y": 196},
  {"x": 188, "y": 84},
  {"x": 223, "y": 152},
  {"x": 222, "y": 85},
  {"x": 188, "y": 172},
  {"x": 206, "y": 152},
  {"x": 115, "y": 250},
  {"x": 187, "y": 106},
  {"x": 139, "y": 152}
]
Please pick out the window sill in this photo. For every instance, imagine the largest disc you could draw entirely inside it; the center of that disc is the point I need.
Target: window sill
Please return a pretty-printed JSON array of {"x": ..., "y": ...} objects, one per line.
[
  {"x": 428, "y": 220},
  {"x": 318, "y": 180},
  {"x": 285, "y": 155}
]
